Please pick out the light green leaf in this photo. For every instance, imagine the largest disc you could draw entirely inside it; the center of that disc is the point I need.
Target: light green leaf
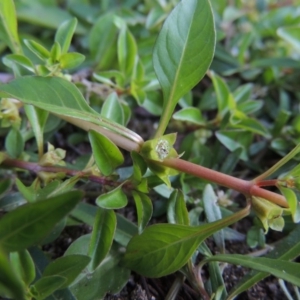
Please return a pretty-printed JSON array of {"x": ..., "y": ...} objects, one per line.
[
  {"x": 127, "y": 51},
  {"x": 177, "y": 211},
  {"x": 183, "y": 52},
  {"x": 68, "y": 267},
  {"x": 65, "y": 33},
  {"x": 14, "y": 143},
  {"x": 10, "y": 283},
  {"x": 294, "y": 206},
  {"x": 28, "y": 224},
  {"x": 144, "y": 209},
  {"x": 285, "y": 270},
  {"x": 102, "y": 236},
  {"x": 290, "y": 35},
  {"x": 19, "y": 60},
  {"x": 23, "y": 265},
  {"x": 8, "y": 26},
  {"x": 39, "y": 50},
  {"x": 189, "y": 114},
  {"x": 37, "y": 118},
  {"x": 45, "y": 286},
  {"x": 213, "y": 213},
  {"x": 112, "y": 109},
  {"x": 225, "y": 99},
  {"x": 61, "y": 97},
  {"x": 55, "y": 53},
  {"x": 107, "y": 155},
  {"x": 171, "y": 245},
  {"x": 114, "y": 199},
  {"x": 71, "y": 60}
]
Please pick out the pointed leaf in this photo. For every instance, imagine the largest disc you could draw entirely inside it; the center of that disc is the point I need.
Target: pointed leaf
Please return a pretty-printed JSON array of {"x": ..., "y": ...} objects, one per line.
[
  {"x": 14, "y": 143},
  {"x": 10, "y": 283},
  {"x": 8, "y": 26},
  {"x": 68, "y": 267},
  {"x": 291, "y": 35},
  {"x": 107, "y": 155},
  {"x": 144, "y": 209},
  {"x": 115, "y": 199},
  {"x": 47, "y": 285},
  {"x": 20, "y": 60},
  {"x": 28, "y": 224},
  {"x": 112, "y": 109},
  {"x": 39, "y": 50},
  {"x": 164, "y": 248},
  {"x": 102, "y": 236},
  {"x": 285, "y": 270},
  {"x": 71, "y": 60},
  {"x": 177, "y": 211},
  {"x": 183, "y": 50},
  {"x": 65, "y": 33},
  {"x": 24, "y": 265},
  {"x": 189, "y": 114}
]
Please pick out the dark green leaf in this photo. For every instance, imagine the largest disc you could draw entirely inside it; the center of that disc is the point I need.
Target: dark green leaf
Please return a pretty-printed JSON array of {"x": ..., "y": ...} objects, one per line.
[
  {"x": 68, "y": 267},
  {"x": 10, "y": 283},
  {"x": 102, "y": 236},
  {"x": 164, "y": 248},
  {"x": 285, "y": 270},
  {"x": 114, "y": 199},
  {"x": 65, "y": 33},
  {"x": 107, "y": 155},
  {"x": 47, "y": 285},
  {"x": 183, "y": 51},
  {"x": 28, "y": 224},
  {"x": 23, "y": 265}
]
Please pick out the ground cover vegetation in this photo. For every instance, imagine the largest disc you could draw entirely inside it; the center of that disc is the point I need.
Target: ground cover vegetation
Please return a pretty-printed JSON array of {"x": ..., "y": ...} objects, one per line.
[{"x": 165, "y": 133}]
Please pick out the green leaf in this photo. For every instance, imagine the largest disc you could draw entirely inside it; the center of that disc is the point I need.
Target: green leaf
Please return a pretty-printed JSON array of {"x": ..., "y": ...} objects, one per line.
[
  {"x": 71, "y": 60},
  {"x": 189, "y": 114},
  {"x": 9, "y": 27},
  {"x": 28, "y": 224},
  {"x": 39, "y": 50},
  {"x": 102, "y": 236},
  {"x": 47, "y": 285},
  {"x": 183, "y": 52},
  {"x": 102, "y": 40},
  {"x": 19, "y": 60},
  {"x": 65, "y": 33},
  {"x": 294, "y": 206},
  {"x": 290, "y": 35},
  {"x": 23, "y": 265},
  {"x": 115, "y": 199},
  {"x": 285, "y": 270},
  {"x": 287, "y": 249},
  {"x": 68, "y": 267},
  {"x": 177, "y": 211},
  {"x": 164, "y": 248},
  {"x": 213, "y": 213},
  {"x": 55, "y": 53},
  {"x": 139, "y": 166},
  {"x": 14, "y": 143},
  {"x": 107, "y": 155},
  {"x": 127, "y": 51},
  {"x": 10, "y": 282},
  {"x": 112, "y": 109},
  {"x": 225, "y": 99},
  {"x": 61, "y": 97},
  {"x": 144, "y": 209},
  {"x": 37, "y": 118}
]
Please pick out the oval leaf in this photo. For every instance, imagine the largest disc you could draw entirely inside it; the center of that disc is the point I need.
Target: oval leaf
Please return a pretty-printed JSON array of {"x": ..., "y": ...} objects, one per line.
[
  {"x": 68, "y": 267},
  {"x": 107, "y": 155},
  {"x": 102, "y": 235},
  {"x": 113, "y": 200},
  {"x": 28, "y": 224},
  {"x": 184, "y": 50}
]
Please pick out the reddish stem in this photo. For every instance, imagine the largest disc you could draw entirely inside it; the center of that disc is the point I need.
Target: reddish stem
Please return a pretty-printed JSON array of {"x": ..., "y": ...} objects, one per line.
[
  {"x": 271, "y": 182},
  {"x": 248, "y": 188}
]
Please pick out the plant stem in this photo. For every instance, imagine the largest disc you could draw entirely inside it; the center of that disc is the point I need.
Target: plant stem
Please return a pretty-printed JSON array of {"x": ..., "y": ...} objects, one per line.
[{"x": 248, "y": 188}]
